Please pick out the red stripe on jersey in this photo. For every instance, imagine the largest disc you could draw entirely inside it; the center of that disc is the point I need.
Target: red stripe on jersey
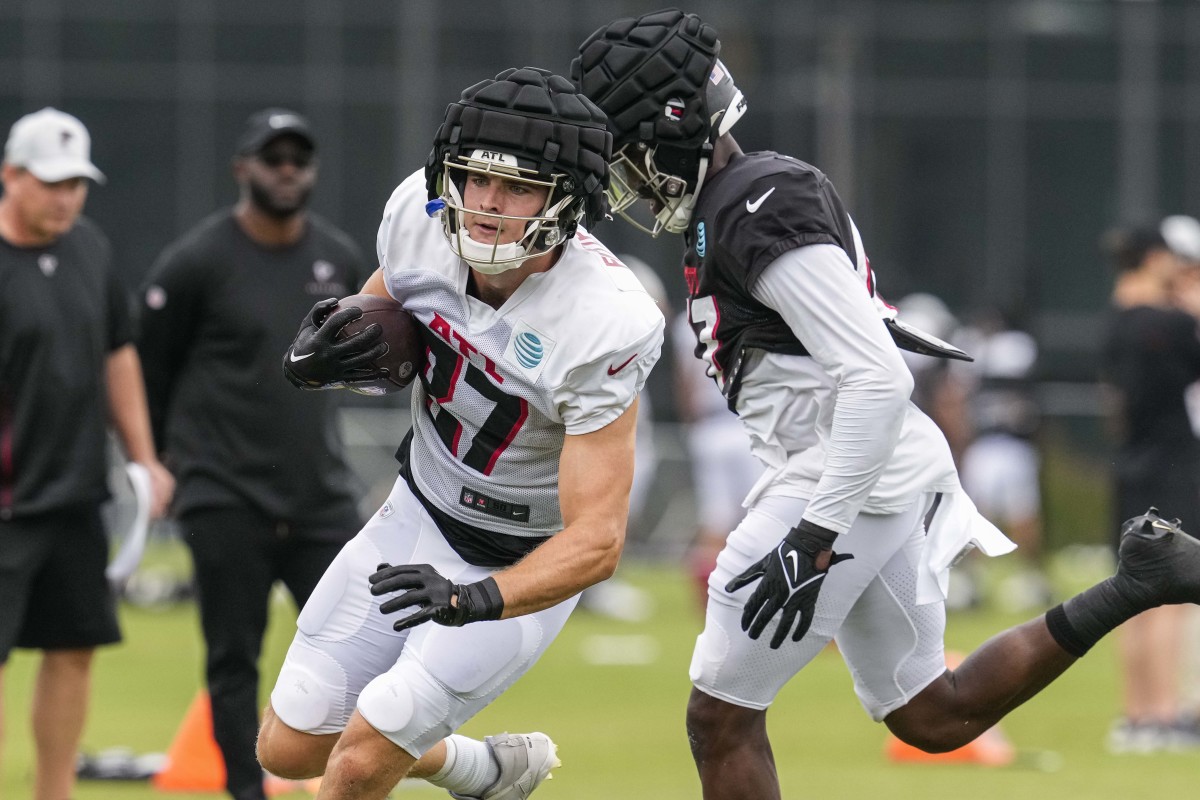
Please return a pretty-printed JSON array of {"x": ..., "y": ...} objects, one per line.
[
  {"x": 512, "y": 434},
  {"x": 449, "y": 396}
]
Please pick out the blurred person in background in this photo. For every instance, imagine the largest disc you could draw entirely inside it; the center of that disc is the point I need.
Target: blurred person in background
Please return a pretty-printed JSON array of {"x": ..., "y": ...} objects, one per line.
[
  {"x": 68, "y": 369},
  {"x": 1182, "y": 234},
  {"x": 1151, "y": 355},
  {"x": 1000, "y": 466},
  {"x": 265, "y": 492},
  {"x": 723, "y": 468},
  {"x": 940, "y": 386},
  {"x": 863, "y": 513}
]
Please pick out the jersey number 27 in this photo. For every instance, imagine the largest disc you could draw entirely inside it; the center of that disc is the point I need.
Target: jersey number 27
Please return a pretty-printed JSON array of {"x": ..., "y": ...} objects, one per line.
[{"x": 449, "y": 371}]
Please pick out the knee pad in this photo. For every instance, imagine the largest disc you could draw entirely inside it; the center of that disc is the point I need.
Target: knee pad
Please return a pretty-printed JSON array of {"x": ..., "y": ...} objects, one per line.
[
  {"x": 309, "y": 693},
  {"x": 408, "y": 707},
  {"x": 450, "y": 674}
]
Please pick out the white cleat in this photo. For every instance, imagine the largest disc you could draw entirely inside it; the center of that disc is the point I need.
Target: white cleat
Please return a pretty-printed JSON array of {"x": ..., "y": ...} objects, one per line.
[{"x": 525, "y": 761}]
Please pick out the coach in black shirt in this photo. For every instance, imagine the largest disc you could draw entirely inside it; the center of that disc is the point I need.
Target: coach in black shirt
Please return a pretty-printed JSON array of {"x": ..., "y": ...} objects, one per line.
[
  {"x": 264, "y": 488},
  {"x": 67, "y": 367}
]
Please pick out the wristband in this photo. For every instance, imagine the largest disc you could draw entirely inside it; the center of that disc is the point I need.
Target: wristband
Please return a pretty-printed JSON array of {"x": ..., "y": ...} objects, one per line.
[
  {"x": 810, "y": 537},
  {"x": 478, "y": 602}
]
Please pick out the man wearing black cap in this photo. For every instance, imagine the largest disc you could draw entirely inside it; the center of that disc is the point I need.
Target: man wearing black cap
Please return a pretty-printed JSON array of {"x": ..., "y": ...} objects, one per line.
[{"x": 264, "y": 489}]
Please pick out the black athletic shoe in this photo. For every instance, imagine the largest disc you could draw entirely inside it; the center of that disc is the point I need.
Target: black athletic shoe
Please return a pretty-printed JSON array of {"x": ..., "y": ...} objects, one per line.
[{"x": 1158, "y": 562}]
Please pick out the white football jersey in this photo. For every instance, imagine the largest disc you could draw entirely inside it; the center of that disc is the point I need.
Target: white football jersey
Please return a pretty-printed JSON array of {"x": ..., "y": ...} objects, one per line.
[{"x": 566, "y": 354}]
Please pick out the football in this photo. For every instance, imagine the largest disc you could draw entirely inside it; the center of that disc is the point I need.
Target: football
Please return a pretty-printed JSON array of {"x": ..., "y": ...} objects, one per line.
[{"x": 401, "y": 332}]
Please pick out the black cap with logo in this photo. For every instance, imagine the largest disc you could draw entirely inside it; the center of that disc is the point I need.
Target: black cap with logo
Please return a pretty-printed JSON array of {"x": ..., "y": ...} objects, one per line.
[{"x": 269, "y": 124}]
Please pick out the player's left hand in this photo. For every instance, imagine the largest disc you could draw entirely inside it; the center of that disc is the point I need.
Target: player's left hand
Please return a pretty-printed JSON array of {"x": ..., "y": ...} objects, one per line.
[
  {"x": 792, "y": 575},
  {"x": 436, "y": 598}
]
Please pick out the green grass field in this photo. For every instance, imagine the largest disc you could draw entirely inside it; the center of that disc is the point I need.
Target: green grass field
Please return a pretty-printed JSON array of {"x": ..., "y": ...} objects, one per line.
[{"x": 620, "y": 727}]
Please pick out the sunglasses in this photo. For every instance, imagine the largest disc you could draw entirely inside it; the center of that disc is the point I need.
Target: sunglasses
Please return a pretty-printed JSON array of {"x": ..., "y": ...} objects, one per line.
[{"x": 276, "y": 160}]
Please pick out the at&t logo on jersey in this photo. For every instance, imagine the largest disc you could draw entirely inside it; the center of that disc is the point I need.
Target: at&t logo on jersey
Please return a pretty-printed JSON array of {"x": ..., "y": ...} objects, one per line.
[{"x": 528, "y": 349}]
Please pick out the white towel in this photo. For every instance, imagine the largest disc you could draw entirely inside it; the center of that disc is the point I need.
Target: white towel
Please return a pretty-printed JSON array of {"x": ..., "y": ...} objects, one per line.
[{"x": 957, "y": 527}]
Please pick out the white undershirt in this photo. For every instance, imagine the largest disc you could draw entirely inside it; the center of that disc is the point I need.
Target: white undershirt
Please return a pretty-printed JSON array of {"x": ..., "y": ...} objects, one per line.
[{"x": 836, "y": 427}]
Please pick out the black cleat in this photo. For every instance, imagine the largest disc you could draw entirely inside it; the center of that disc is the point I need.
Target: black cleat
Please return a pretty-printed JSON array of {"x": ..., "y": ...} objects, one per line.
[{"x": 1158, "y": 561}]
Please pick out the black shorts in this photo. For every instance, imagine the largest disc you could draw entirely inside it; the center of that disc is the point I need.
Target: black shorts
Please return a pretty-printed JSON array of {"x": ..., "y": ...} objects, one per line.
[{"x": 53, "y": 592}]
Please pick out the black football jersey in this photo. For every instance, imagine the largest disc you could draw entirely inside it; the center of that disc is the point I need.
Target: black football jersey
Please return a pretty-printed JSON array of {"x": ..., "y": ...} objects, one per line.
[{"x": 759, "y": 206}]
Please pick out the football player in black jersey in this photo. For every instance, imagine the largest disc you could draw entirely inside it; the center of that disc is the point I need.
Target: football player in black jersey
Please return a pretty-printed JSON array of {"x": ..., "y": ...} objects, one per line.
[{"x": 852, "y": 532}]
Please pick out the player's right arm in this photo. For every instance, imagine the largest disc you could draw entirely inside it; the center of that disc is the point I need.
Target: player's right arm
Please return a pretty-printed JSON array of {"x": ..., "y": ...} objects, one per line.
[{"x": 376, "y": 284}]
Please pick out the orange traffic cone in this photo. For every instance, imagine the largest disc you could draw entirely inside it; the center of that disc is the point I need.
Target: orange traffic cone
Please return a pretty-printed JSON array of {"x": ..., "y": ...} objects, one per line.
[
  {"x": 990, "y": 749},
  {"x": 194, "y": 762}
]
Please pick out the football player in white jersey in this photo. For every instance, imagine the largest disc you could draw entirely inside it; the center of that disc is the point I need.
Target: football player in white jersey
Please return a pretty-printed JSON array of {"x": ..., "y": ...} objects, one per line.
[
  {"x": 852, "y": 529},
  {"x": 515, "y": 478}
]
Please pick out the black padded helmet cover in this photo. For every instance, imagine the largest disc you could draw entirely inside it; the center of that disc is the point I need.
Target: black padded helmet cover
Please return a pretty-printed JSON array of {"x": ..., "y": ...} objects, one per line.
[
  {"x": 542, "y": 120},
  {"x": 650, "y": 74}
]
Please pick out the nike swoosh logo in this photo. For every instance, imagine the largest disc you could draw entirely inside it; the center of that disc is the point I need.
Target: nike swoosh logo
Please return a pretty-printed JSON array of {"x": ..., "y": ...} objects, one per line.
[
  {"x": 791, "y": 554},
  {"x": 1162, "y": 526},
  {"x": 752, "y": 206},
  {"x": 614, "y": 370},
  {"x": 294, "y": 358}
]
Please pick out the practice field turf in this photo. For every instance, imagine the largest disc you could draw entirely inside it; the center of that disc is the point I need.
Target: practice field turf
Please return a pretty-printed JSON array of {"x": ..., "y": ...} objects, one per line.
[{"x": 619, "y": 726}]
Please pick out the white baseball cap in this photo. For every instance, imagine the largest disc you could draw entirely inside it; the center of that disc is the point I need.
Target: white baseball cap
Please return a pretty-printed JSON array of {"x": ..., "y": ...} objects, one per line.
[
  {"x": 52, "y": 145},
  {"x": 1182, "y": 234}
]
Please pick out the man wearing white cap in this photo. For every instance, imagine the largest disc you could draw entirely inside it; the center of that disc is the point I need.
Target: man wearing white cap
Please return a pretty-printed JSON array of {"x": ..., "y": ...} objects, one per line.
[{"x": 67, "y": 366}]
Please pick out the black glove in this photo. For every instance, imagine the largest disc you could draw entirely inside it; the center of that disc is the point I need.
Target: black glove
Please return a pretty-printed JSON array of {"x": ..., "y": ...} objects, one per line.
[
  {"x": 317, "y": 359},
  {"x": 790, "y": 580},
  {"x": 424, "y": 587}
]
